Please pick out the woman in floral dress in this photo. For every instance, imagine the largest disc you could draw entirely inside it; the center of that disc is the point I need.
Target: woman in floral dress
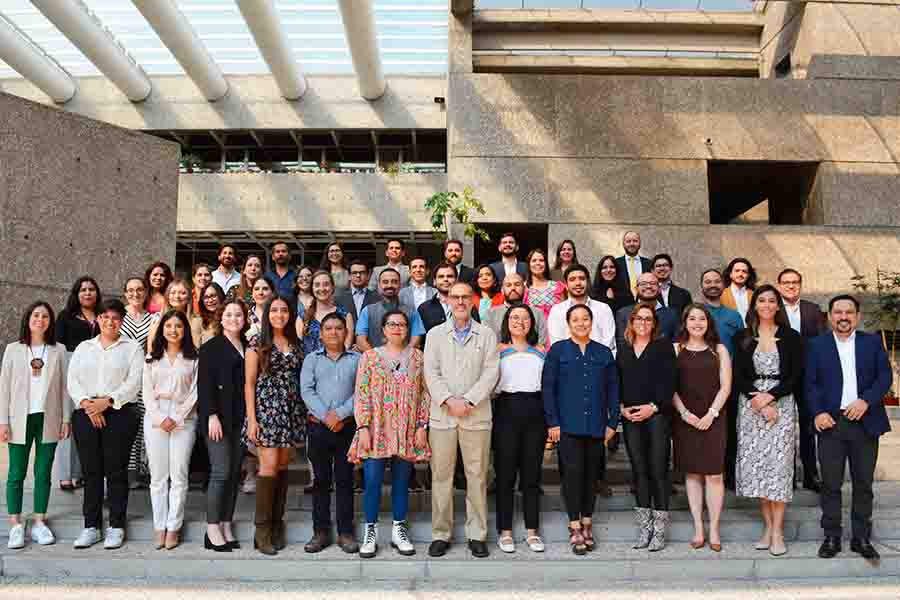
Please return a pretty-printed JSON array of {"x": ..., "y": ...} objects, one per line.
[
  {"x": 391, "y": 408},
  {"x": 543, "y": 293}
]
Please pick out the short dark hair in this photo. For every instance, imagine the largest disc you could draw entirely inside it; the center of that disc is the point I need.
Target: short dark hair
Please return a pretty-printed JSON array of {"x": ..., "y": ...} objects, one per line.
[
  {"x": 443, "y": 265},
  {"x": 507, "y": 234},
  {"x": 840, "y": 297},
  {"x": 394, "y": 239},
  {"x": 576, "y": 268},
  {"x": 25, "y": 330},
  {"x": 158, "y": 345},
  {"x": 113, "y": 304},
  {"x": 360, "y": 262},
  {"x": 788, "y": 271},
  {"x": 575, "y": 307},
  {"x": 279, "y": 243},
  {"x": 333, "y": 316},
  {"x": 703, "y": 274},
  {"x": 389, "y": 270},
  {"x": 223, "y": 246},
  {"x": 662, "y": 256},
  {"x": 422, "y": 258},
  {"x": 451, "y": 241},
  {"x": 531, "y": 338}
]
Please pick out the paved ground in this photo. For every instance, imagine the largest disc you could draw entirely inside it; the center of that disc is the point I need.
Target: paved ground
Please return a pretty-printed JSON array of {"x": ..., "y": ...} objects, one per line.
[{"x": 855, "y": 589}]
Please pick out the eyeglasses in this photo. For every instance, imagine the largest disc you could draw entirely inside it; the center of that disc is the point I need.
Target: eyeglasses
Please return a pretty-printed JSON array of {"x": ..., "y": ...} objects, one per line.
[
  {"x": 643, "y": 319},
  {"x": 210, "y": 298},
  {"x": 395, "y": 325},
  {"x": 648, "y": 284},
  {"x": 460, "y": 298},
  {"x": 791, "y": 283}
]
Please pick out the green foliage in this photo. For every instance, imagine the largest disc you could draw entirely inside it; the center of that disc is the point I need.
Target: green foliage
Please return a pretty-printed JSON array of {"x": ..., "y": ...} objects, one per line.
[
  {"x": 884, "y": 309},
  {"x": 445, "y": 206}
]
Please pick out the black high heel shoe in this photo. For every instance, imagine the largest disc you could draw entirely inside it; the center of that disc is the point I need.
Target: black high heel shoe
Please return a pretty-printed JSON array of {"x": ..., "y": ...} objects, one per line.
[
  {"x": 210, "y": 546},
  {"x": 234, "y": 544}
]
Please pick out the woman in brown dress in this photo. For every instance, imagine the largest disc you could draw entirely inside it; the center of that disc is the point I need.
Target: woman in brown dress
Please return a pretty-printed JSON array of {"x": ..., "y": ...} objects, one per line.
[{"x": 699, "y": 436}]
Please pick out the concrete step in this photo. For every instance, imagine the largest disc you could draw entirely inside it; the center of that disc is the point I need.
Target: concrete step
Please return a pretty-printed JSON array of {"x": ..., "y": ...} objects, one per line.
[{"x": 609, "y": 562}]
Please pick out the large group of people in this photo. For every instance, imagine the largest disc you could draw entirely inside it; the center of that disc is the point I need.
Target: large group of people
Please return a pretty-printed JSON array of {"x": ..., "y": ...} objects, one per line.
[{"x": 474, "y": 372}]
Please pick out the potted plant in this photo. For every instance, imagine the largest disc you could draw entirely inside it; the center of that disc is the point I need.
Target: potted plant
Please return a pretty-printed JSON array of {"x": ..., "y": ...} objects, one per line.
[
  {"x": 883, "y": 314},
  {"x": 191, "y": 162},
  {"x": 448, "y": 207}
]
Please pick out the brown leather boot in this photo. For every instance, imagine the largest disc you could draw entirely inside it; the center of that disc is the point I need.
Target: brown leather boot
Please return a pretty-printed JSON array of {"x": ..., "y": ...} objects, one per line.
[
  {"x": 279, "y": 530},
  {"x": 265, "y": 496},
  {"x": 320, "y": 540}
]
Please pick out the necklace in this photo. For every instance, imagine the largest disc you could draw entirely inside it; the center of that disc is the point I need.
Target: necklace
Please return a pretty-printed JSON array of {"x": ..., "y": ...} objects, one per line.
[{"x": 37, "y": 363}]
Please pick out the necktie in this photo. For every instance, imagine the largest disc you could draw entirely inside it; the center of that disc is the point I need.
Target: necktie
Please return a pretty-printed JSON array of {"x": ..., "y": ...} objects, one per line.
[{"x": 632, "y": 274}]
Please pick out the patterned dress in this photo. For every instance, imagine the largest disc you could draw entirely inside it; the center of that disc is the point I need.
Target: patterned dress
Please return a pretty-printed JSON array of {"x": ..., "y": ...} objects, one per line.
[
  {"x": 280, "y": 413},
  {"x": 138, "y": 330},
  {"x": 311, "y": 334},
  {"x": 765, "y": 453},
  {"x": 255, "y": 328},
  {"x": 391, "y": 398},
  {"x": 546, "y": 298}
]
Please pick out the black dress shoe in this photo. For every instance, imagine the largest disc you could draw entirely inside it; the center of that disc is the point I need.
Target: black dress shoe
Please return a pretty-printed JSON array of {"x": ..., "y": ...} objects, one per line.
[
  {"x": 207, "y": 543},
  {"x": 864, "y": 547},
  {"x": 438, "y": 548},
  {"x": 234, "y": 545},
  {"x": 813, "y": 484},
  {"x": 830, "y": 547},
  {"x": 478, "y": 549}
]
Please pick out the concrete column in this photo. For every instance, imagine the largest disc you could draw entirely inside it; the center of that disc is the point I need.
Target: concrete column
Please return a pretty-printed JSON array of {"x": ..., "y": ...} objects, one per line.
[
  {"x": 23, "y": 55},
  {"x": 359, "y": 28},
  {"x": 264, "y": 22}
]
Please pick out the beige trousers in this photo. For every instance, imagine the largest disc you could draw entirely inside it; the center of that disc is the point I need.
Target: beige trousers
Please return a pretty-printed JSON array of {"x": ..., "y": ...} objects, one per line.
[{"x": 475, "y": 446}]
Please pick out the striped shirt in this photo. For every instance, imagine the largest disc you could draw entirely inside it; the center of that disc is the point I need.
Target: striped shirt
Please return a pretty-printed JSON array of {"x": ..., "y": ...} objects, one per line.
[{"x": 520, "y": 371}]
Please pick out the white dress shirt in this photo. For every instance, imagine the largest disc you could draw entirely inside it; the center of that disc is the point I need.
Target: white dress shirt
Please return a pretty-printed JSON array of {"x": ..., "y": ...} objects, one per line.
[
  {"x": 741, "y": 300},
  {"x": 95, "y": 372},
  {"x": 226, "y": 281},
  {"x": 38, "y": 384},
  {"x": 420, "y": 293},
  {"x": 793, "y": 315},
  {"x": 359, "y": 296},
  {"x": 509, "y": 265},
  {"x": 170, "y": 389},
  {"x": 847, "y": 353},
  {"x": 603, "y": 328},
  {"x": 634, "y": 265}
]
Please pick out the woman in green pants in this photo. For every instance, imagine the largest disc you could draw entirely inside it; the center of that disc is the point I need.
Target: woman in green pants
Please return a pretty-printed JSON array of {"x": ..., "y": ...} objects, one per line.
[{"x": 34, "y": 408}]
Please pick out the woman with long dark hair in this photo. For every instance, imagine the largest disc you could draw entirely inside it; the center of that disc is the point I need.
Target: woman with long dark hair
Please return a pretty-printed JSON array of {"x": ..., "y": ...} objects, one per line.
[
  {"x": 220, "y": 417},
  {"x": 542, "y": 293},
  {"x": 263, "y": 289},
  {"x": 276, "y": 417},
  {"x": 519, "y": 430},
  {"x": 487, "y": 290},
  {"x": 34, "y": 409},
  {"x": 250, "y": 274},
  {"x": 700, "y": 433},
  {"x": 170, "y": 396},
  {"x": 156, "y": 279},
  {"x": 136, "y": 326},
  {"x": 201, "y": 276},
  {"x": 608, "y": 287},
  {"x": 767, "y": 371},
  {"x": 75, "y": 323},
  {"x": 334, "y": 262},
  {"x": 566, "y": 256},
  {"x": 205, "y": 324},
  {"x": 647, "y": 372},
  {"x": 303, "y": 286}
]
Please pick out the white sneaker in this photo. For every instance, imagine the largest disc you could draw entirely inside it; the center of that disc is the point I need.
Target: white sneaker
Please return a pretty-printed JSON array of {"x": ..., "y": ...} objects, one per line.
[
  {"x": 115, "y": 537},
  {"x": 16, "y": 537},
  {"x": 42, "y": 535},
  {"x": 370, "y": 541},
  {"x": 400, "y": 539},
  {"x": 87, "y": 538},
  {"x": 535, "y": 543},
  {"x": 506, "y": 544}
]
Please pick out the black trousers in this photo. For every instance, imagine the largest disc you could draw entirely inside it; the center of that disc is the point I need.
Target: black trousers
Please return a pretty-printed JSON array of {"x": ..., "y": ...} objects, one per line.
[
  {"x": 583, "y": 456},
  {"x": 648, "y": 444},
  {"x": 104, "y": 454},
  {"x": 328, "y": 454},
  {"x": 847, "y": 442},
  {"x": 807, "y": 439},
  {"x": 224, "y": 476},
  {"x": 519, "y": 434}
]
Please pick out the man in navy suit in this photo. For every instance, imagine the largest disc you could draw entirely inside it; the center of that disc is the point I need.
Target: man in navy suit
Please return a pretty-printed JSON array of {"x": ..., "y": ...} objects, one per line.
[
  {"x": 631, "y": 264},
  {"x": 847, "y": 375},
  {"x": 453, "y": 254},
  {"x": 509, "y": 261}
]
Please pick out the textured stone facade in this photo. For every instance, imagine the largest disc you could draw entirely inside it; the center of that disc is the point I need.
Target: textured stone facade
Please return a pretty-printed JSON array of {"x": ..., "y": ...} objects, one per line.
[{"x": 78, "y": 197}]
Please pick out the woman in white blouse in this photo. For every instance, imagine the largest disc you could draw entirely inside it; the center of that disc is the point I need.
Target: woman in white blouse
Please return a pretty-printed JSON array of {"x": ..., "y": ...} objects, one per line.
[
  {"x": 170, "y": 396},
  {"x": 34, "y": 408}
]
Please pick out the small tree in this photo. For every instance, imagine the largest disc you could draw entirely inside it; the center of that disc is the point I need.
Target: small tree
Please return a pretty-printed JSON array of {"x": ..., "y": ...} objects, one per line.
[
  {"x": 447, "y": 207},
  {"x": 884, "y": 312}
]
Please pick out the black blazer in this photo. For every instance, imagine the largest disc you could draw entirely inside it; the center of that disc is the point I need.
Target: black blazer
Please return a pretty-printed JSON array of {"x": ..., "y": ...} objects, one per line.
[
  {"x": 220, "y": 386},
  {"x": 345, "y": 299},
  {"x": 646, "y": 267},
  {"x": 812, "y": 319},
  {"x": 678, "y": 299},
  {"x": 790, "y": 356},
  {"x": 500, "y": 271},
  {"x": 465, "y": 275}
]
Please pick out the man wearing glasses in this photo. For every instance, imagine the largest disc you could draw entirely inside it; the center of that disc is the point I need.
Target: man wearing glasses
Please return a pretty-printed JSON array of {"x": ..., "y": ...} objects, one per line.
[
  {"x": 358, "y": 296},
  {"x": 807, "y": 319},
  {"x": 648, "y": 293}
]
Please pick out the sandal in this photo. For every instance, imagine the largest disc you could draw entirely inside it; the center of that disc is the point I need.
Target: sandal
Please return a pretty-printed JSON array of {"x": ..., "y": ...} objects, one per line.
[
  {"x": 576, "y": 540},
  {"x": 588, "y": 533}
]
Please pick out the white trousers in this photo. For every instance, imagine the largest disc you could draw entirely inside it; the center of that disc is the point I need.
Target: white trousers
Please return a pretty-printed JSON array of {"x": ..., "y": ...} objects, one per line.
[{"x": 169, "y": 455}]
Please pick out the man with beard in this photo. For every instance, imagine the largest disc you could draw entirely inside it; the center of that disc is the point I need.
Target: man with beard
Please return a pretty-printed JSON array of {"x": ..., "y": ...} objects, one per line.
[
  {"x": 631, "y": 264},
  {"x": 226, "y": 275},
  {"x": 648, "y": 293},
  {"x": 740, "y": 277},
  {"x": 509, "y": 262},
  {"x": 513, "y": 295},
  {"x": 603, "y": 330},
  {"x": 394, "y": 252},
  {"x": 670, "y": 294},
  {"x": 847, "y": 376},
  {"x": 453, "y": 255},
  {"x": 368, "y": 331},
  {"x": 437, "y": 310},
  {"x": 282, "y": 274},
  {"x": 728, "y": 322}
]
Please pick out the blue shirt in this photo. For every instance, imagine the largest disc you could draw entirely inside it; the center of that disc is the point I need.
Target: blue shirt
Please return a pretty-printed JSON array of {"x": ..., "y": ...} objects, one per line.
[
  {"x": 728, "y": 323},
  {"x": 417, "y": 328},
  {"x": 460, "y": 334},
  {"x": 284, "y": 285},
  {"x": 327, "y": 384},
  {"x": 581, "y": 391}
]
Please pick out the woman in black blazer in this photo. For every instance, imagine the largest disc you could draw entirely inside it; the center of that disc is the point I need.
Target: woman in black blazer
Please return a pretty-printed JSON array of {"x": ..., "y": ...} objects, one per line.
[
  {"x": 768, "y": 367},
  {"x": 220, "y": 416}
]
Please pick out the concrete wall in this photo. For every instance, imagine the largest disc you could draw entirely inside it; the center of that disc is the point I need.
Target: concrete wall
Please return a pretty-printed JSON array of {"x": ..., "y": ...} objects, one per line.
[
  {"x": 77, "y": 197},
  {"x": 255, "y": 102},
  {"x": 306, "y": 202}
]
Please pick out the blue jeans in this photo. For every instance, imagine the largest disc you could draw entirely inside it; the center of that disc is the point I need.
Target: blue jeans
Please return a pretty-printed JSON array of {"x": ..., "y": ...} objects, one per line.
[{"x": 373, "y": 471}]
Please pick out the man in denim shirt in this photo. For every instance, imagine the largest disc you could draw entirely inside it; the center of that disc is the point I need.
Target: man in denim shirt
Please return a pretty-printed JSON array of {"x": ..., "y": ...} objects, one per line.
[{"x": 327, "y": 383}]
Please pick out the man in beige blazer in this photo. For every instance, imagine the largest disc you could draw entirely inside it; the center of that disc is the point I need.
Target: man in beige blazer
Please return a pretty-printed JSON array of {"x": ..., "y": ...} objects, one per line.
[{"x": 461, "y": 370}]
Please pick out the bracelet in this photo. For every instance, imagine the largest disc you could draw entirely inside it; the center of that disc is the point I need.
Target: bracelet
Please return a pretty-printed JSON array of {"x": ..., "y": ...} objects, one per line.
[
  {"x": 713, "y": 412},
  {"x": 361, "y": 427}
]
